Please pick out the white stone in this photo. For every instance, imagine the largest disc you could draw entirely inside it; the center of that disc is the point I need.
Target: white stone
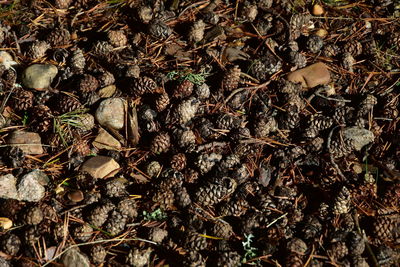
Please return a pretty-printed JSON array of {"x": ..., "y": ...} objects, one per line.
[{"x": 111, "y": 113}]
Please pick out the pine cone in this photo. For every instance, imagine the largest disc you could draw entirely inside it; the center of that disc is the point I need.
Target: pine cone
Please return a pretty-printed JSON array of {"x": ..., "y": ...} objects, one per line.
[
  {"x": 331, "y": 50},
  {"x": 102, "y": 49},
  {"x": 128, "y": 207},
  {"x": 202, "y": 91},
  {"x": 342, "y": 201},
  {"x": 194, "y": 259},
  {"x": 33, "y": 216},
  {"x": 294, "y": 260},
  {"x": 88, "y": 84},
  {"x": 164, "y": 198},
  {"x": 290, "y": 119},
  {"x": 194, "y": 241},
  {"x": 234, "y": 207},
  {"x": 82, "y": 148},
  {"x": 231, "y": 79},
  {"x": 214, "y": 193},
  {"x": 205, "y": 162},
  {"x": 153, "y": 168},
  {"x": 116, "y": 188},
  {"x": 182, "y": 197},
  {"x": 38, "y": 49},
  {"x": 297, "y": 59},
  {"x": 222, "y": 229},
  {"x": 62, "y": 4},
  {"x": 68, "y": 103},
  {"x": 31, "y": 235},
  {"x": 185, "y": 138},
  {"x": 227, "y": 122},
  {"x": 97, "y": 254},
  {"x": 117, "y": 38},
  {"x": 268, "y": 65},
  {"x": 59, "y": 37},
  {"x": 229, "y": 259},
  {"x": 78, "y": 61},
  {"x": 184, "y": 89},
  {"x": 99, "y": 214},
  {"x": 139, "y": 258},
  {"x": 42, "y": 121},
  {"x": 340, "y": 149},
  {"x": 178, "y": 162},
  {"x": 353, "y": 47},
  {"x": 159, "y": 29},
  {"x": 105, "y": 79},
  {"x": 338, "y": 250},
  {"x": 115, "y": 223},
  {"x": 229, "y": 162},
  {"x": 355, "y": 243},
  {"x": 160, "y": 143},
  {"x": 316, "y": 124},
  {"x": 186, "y": 110},
  {"x": 386, "y": 228},
  {"x": 10, "y": 244},
  {"x": 196, "y": 33},
  {"x": 83, "y": 232},
  {"x": 22, "y": 100},
  {"x": 85, "y": 122},
  {"x": 265, "y": 125},
  {"x": 315, "y": 43},
  {"x": 162, "y": 102},
  {"x": 143, "y": 85}
]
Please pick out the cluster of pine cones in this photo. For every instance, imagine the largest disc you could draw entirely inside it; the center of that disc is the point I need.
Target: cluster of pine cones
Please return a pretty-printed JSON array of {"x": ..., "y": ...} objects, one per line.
[{"x": 235, "y": 164}]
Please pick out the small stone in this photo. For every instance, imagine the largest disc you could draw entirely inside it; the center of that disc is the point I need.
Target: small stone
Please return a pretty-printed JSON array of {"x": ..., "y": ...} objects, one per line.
[
  {"x": 321, "y": 33},
  {"x": 76, "y": 196},
  {"x": 318, "y": 10},
  {"x": 111, "y": 113},
  {"x": 311, "y": 76},
  {"x": 8, "y": 188},
  {"x": 104, "y": 140},
  {"x": 107, "y": 91},
  {"x": 5, "y": 223},
  {"x": 100, "y": 167},
  {"x": 39, "y": 76},
  {"x": 74, "y": 258},
  {"x": 360, "y": 137},
  {"x": 28, "y": 142},
  {"x": 31, "y": 187}
]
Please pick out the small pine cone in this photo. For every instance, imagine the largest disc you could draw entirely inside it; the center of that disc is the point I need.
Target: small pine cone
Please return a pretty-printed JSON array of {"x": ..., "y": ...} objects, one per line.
[
  {"x": 317, "y": 123},
  {"x": 344, "y": 114},
  {"x": 229, "y": 162},
  {"x": 10, "y": 244},
  {"x": 85, "y": 122},
  {"x": 347, "y": 223},
  {"x": 213, "y": 193},
  {"x": 235, "y": 207},
  {"x": 145, "y": 14},
  {"x": 116, "y": 188},
  {"x": 249, "y": 12},
  {"x": 227, "y": 122},
  {"x": 105, "y": 79},
  {"x": 82, "y": 232},
  {"x": 97, "y": 254},
  {"x": 31, "y": 235},
  {"x": 290, "y": 119},
  {"x": 222, "y": 229},
  {"x": 78, "y": 61},
  {"x": 42, "y": 121},
  {"x": 202, "y": 91},
  {"x": 184, "y": 89},
  {"x": 359, "y": 261},
  {"x": 194, "y": 259},
  {"x": 164, "y": 198},
  {"x": 355, "y": 243},
  {"x": 186, "y": 110},
  {"x": 386, "y": 256},
  {"x": 265, "y": 66},
  {"x": 139, "y": 258},
  {"x": 159, "y": 29},
  {"x": 229, "y": 259},
  {"x": 294, "y": 260},
  {"x": 205, "y": 162},
  {"x": 38, "y": 49},
  {"x": 62, "y": 4},
  {"x": 117, "y": 38},
  {"x": 288, "y": 87},
  {"x": 185, "y": 138},
  {"x": 338, "y": 250},
  {"x": 128, "y": 207},
  {"x": 162, "y": 102},
  {"x": 153, "y": 168},
  {"x": 342, "y": 201},
  {"x": 204, "y": 128},
  {"x": 115, "y": 223},
  {"x": 99, "y": 214},
  {"x": 191, "y": 175},
  {"x": 265, "y": 125},
  {"x": 160, "y": 143},
  {"x": 178, "y": 162},
  {"x": 22, "y": 100},
  {"x": 353, "y": 47},
  {"x": 59, "y": 37},
  {"x": 102, "y": 49},
  {"x": 312, "y": 227},
  {"x": 88, "y": 84},
  {"x": 315, "y": 43},
  {"x": 143, "y": 85},
  {"x": 82, "y": 148},
  {"x": 387, "y": 228},
  {"x": 33, "y": 216},
  {"x": 194, "y": 241},
  {"x": 367, "y": 104},
  {"x": 348, "y": 61},
  {"x": 331, "y": 50},
  {"x": 297, "y": 246},
  {"x": 182, "y": 197},
  {"x": 231, "y": 79},
  {"x": 196, "y": 33},
  {"x": 68, "y": 103},
  {"x": 297, "y": 59}
]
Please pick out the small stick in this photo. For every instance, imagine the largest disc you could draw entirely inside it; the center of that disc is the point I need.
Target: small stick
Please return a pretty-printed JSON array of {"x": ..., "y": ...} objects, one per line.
[
  {"x": 245, "y": 88},
  {"x": 330, "y": 154},
  {"x": 362, "y": 233}
]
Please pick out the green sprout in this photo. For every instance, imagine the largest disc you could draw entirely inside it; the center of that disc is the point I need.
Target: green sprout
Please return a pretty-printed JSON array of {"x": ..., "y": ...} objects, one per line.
[
  {"x": 62, "y": 123},
  {"x": 250, "y": 251},
  {"x": 25, "y": 119},
  {"x": 198, "y": 78},
  {"x": 157, "y": 215}
]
